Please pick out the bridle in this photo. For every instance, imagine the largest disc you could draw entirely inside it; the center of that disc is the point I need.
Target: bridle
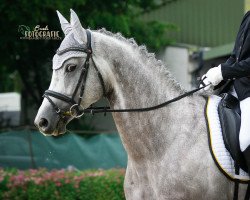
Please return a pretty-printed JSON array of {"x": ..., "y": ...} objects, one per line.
[{"x": 76, "y": 109}]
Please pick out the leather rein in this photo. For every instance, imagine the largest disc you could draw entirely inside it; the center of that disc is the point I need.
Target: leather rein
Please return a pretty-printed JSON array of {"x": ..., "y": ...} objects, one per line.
[{"x": 76, "y": 109}]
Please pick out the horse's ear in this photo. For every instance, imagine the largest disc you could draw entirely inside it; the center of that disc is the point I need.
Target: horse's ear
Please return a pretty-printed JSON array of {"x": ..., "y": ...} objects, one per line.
[
  {"x": 78, "y": 30},
  {"x": 66, "y": 26}
]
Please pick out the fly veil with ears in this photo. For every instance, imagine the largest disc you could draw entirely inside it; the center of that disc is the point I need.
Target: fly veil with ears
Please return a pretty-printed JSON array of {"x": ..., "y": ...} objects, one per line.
[{"x": 73, "y": 46}]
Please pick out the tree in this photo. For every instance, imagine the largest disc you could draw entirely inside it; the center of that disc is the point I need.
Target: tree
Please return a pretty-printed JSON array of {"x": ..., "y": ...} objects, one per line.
[{"x": 29, "y": 61}]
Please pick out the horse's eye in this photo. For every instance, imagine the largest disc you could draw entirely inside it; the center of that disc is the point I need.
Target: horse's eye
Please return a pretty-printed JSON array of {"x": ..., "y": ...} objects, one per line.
[{"x": 70, "y": 68}]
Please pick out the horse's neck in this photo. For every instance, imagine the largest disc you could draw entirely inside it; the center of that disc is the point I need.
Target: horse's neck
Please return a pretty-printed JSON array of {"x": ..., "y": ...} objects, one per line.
[{"x": 140, "y": 82}]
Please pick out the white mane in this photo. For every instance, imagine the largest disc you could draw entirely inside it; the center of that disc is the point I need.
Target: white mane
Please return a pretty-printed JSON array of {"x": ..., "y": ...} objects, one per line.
[{"x": 146, "y": 56}]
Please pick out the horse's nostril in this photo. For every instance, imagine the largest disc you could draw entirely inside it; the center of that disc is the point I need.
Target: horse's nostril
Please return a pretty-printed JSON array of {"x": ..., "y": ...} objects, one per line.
[{"x": 43, "y": 123}]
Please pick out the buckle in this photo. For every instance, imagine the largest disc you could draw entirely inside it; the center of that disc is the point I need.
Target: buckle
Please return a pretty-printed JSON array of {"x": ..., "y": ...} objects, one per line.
[
  {"x": 58, "y": 110},
  {"x": 75, "y": 114}
]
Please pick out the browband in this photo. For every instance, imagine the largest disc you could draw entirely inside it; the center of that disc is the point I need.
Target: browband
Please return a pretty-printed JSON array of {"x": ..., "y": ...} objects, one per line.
[{"x": 60, "y": 52}]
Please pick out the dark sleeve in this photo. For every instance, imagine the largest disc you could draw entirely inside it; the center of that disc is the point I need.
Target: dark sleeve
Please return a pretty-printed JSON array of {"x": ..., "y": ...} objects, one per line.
[
  {"x": 232, "y": 59},
  {"x": 236, "y": 70},
  {"x": 232, "y": 69}
]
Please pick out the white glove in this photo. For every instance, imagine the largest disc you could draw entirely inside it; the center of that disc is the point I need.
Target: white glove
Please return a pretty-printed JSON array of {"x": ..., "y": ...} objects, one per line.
[{"x": 213, "y": 76}]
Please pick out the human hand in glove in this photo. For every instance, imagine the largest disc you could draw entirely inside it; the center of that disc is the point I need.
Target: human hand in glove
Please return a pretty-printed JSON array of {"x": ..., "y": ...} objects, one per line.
[{"x": 212, "y": 78}]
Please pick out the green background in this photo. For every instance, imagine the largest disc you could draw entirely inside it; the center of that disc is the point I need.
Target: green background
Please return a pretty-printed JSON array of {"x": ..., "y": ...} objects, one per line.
[{"x": 30, "y": 149}]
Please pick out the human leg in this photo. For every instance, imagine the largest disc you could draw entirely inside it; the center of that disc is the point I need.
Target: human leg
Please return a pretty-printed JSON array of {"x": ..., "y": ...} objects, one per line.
[{"x": 245, "y": 130}]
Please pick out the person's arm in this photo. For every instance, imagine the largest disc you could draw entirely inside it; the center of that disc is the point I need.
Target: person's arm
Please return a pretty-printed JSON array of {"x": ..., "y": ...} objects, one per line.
[
  {"x": 231, "y": 68},
  {"x": 236, "y": 70},
  {"x": 232, "y": 59}
]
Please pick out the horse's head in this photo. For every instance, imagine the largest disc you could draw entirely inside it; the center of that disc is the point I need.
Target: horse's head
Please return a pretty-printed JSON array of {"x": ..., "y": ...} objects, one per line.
[{"x": 76, "y": 81}]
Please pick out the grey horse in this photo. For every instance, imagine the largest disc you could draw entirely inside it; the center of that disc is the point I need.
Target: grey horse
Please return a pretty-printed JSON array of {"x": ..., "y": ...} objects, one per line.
[{"x": 168, "y": 153}]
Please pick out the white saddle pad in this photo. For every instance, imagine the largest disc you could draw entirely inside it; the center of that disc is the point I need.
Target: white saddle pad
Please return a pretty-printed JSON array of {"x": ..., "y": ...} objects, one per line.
[{"x": 220, "y": 154}]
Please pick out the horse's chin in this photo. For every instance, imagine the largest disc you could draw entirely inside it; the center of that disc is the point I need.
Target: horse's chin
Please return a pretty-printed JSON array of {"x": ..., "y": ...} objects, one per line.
[
  {"x": 59, "y": 132},
  {"x": 56, "y": 132}
]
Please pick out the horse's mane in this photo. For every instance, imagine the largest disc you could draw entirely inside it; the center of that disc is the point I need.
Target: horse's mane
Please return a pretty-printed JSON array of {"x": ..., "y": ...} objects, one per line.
[{"x": 147, "y": 56}]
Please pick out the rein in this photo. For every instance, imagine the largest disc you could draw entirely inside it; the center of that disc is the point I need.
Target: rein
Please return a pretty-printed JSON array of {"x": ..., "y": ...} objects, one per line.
[
  {"x": 76, "y": 109},
  {"x": 108, "y": 109}
]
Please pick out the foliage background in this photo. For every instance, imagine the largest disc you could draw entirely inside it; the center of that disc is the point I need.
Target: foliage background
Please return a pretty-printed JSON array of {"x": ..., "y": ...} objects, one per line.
[
  {"x": 25, "y": 65},
  {"x": 61, "y": 184}
]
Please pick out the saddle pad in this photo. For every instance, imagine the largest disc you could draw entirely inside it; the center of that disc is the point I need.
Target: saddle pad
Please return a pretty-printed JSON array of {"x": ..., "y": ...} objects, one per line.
[{"x": 218, "y": 150}]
